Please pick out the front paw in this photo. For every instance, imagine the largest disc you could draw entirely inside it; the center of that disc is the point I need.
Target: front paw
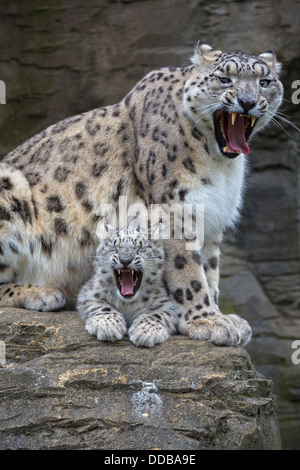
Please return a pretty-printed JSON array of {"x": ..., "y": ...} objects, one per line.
[
  {"x": 147, "y": 331},
  {"x": 107, "y": 327},
  {"x": 222, "y": 330},
  {"x": 242, "y": 326}
]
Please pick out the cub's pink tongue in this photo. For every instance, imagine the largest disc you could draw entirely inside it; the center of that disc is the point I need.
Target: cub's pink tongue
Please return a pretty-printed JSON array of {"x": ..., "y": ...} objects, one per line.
[
  {"x": 236, "y": 136},
  {"x": 127, "y": 284}
]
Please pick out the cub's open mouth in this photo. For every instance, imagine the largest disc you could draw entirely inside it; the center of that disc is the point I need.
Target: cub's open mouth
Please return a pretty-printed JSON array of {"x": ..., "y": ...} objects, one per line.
[
  {"x": 128, "y": 281},
  {"x": 232, "y": 130}
]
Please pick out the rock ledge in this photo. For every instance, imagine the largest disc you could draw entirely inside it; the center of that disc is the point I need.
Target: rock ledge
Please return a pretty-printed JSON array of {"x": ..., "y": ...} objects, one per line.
[{"x": 62, "y": 389}]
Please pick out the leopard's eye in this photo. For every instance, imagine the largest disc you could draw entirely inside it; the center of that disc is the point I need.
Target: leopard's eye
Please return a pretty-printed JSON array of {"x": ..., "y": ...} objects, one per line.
[
  {"x": 264, "y": 83},
  {"x": 224, "y": 80}
]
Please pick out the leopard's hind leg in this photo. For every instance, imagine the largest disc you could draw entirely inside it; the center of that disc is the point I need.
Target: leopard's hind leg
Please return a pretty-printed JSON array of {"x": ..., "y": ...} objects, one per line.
[
  {"x": 18, "y": 215},
  {"x": 31, "y": 297}
]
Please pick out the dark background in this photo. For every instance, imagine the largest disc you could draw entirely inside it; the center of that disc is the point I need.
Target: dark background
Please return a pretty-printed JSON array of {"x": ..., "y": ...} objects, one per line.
[{"x": 60, "y": 58}]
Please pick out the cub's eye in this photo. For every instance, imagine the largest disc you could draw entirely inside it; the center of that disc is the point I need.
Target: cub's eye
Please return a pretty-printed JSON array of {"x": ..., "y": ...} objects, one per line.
[
  {"x": 224, "y": 80},
  {"x": 264, "y": 83}
]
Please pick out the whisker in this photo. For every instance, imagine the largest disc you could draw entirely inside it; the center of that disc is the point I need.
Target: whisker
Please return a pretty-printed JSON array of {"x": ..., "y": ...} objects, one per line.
[
  {"x": 281, "y": 113},
  {"x": 146, "y": 269},
  {"x": 207, "y": 106},
  {"x": 287, "y": 121},
  {"x": 274, "y": 120},
  {"x": 207, "y": 109}
]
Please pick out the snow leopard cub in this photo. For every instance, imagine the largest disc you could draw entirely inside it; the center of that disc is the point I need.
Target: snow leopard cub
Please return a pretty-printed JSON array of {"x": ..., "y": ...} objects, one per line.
[{"x": 126, "y": 290}]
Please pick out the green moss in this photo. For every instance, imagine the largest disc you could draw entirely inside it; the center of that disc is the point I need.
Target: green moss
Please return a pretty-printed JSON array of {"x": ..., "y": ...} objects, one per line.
[{"x": 227, "y": 305}]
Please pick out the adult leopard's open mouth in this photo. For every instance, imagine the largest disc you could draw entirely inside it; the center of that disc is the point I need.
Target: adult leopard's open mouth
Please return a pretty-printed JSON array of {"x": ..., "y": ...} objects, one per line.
[
  {"x": 232, "y": 131},
  {"x": 128, "y": 281}
]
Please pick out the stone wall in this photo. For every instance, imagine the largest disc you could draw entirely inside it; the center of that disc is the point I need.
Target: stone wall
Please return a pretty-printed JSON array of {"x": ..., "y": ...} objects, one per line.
[{"x": 67, "y": 57}]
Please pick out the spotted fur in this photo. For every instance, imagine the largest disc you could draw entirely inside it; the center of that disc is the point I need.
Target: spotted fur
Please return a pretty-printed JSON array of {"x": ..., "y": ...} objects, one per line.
[
  {"x": 149, "y": 314},
  {"x": 158, "y": 145}
]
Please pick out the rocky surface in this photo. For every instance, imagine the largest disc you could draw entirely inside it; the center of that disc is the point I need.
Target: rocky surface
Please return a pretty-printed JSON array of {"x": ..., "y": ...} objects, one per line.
[
  {"x": 62, "y": 58},
  {"x": 62, "y": 389},
  {"x": 273, "y": 334}
]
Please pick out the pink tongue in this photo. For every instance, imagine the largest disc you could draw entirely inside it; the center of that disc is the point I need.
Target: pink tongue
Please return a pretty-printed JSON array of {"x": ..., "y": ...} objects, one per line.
[
  {"x": 236, "y": 136},
  {"x": 126, "y": 283}
]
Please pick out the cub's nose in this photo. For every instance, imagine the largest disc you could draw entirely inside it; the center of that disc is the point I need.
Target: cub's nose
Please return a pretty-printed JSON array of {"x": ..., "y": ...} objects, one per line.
[
  {"x": 246, "y": 104},
  {"x": 125, "y": 259}
]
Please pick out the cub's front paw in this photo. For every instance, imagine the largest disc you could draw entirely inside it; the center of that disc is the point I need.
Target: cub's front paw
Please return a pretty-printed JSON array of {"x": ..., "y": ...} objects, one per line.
[
  {"x": 147, "y": 331},
  {"x": 44, "y": 299},
  {"x": 107, "y": 326},
  {"x": 222, "y": 330}
]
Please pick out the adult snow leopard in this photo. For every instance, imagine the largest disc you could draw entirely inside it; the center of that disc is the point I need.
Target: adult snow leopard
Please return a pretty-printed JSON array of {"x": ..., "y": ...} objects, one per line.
[{"x": 180, "y": 135}]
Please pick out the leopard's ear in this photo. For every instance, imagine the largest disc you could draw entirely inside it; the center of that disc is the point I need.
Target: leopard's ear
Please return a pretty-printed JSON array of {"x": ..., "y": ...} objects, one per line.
[
  {"x": 204, "y": 54},
  {"x": 270, "y": 59}
]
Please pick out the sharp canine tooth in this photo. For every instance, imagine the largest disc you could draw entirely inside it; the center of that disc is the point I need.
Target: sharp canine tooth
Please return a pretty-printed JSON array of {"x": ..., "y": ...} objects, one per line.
[
  {"x": 233, "y": 118},
  {"x": 253, "y": 119},
  {"x": 225, "y": 149},
  {"x": 222, "y": 129}
]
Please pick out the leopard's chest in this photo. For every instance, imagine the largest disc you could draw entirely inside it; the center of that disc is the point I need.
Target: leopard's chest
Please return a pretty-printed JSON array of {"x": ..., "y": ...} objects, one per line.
[{"x": 221, "y": 195}]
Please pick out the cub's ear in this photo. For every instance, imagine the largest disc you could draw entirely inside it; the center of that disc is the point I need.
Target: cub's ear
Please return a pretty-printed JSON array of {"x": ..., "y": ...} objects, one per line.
[
  {"x": 204, "y": 54},
  {"x": 269, "y": 58},
  {"x": 104, "y": 230}
]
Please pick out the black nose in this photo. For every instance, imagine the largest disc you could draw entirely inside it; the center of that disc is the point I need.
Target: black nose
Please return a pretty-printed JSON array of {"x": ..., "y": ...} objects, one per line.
[
  {"x": 126, "y": 260},
  {"x": 246, "y": 104}
]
